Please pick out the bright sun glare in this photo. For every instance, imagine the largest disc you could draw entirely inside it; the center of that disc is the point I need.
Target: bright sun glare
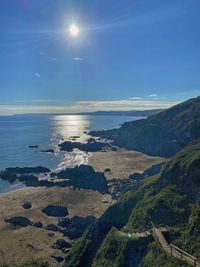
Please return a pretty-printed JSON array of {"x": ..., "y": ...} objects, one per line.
[{"x": 74, "y": 30}]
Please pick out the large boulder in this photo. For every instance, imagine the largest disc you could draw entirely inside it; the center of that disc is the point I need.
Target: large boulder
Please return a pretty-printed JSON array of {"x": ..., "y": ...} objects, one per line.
[
  {"x": 18, "y": 221},
  {"x": 52, "y": 227},
  {"x": 27, "y": 205},
  {"x": 55, "y": 211},
  {"x": 62, "y": 244},
  {"x": 59, "y": 259},
  {"x": 38, "y": 224}
]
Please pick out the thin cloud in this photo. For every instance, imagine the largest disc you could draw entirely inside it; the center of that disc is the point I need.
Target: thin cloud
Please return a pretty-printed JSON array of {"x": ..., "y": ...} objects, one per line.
[
  {"x": 37, "y": 74},
  {"x": 135, "y": 98},
  {"x": 78, "y": 58},
  {"x": 84, "y": 106},
  {"x": 153, "y": 95}
]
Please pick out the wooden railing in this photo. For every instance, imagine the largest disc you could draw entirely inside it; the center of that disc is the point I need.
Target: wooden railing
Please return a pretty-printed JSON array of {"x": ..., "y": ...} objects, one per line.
[
  {"x": 172, "y": 249},
  {"x": 183, "y": 254}
]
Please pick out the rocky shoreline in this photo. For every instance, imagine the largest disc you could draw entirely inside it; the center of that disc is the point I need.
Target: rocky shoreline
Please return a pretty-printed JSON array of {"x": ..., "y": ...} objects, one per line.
[{"x": 63, "y": 224}]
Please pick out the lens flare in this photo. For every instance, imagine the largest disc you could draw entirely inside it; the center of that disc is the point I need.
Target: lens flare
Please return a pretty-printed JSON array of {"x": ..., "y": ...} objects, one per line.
[{"x": 74, "y": 30}]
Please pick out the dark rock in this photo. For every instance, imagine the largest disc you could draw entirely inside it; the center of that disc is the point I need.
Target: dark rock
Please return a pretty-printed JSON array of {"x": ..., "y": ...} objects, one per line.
[
  {"x": 48, "y": 151},
  {"x": 59, "y": 259},
  {"x": 18, "y": 221},
  {"x": 75, "y": 227},
  {"x": 107, "y": 170},
  {"x": 117, "y": 187},
  {"x": 136, "y": 176},
  {"x": 38, "y": 224},
  {"x": 33, "y": 146},
  {"x": 91, "y": 140},
  {"x": 62, "y": 243},
  {"x": 27, "y": 178},
  {"x": 148, "y": 172},
  {"x": 55, "y": 211},
  {"x": 6, "y": 175},
  {"x": 27, "y": 205},
  {"x": 26, "y": 170},
  {"x": 89, "y": 147},
  {"x": 63, "y": 222},
  {"x": 52, "y": 227},
  {"x": 84, "y": 176}
]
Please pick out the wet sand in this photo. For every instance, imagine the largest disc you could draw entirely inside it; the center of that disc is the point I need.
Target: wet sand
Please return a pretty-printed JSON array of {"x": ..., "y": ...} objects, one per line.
[{"x": 122, "y": 162}]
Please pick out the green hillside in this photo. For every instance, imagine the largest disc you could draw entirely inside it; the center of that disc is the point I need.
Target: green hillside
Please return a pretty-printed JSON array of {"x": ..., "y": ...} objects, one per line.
[
  {"x": 162, "y": 134},
  {"x": 168, "y": 199}
]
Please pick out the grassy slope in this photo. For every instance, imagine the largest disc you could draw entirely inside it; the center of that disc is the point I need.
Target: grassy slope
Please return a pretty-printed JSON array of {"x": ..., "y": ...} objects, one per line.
[
  {"x": 156, "y": 257},
  {"x": 162, "y": 134},
  {"x": 162, "y": 199},
  {"x": 119, "y": 249}
]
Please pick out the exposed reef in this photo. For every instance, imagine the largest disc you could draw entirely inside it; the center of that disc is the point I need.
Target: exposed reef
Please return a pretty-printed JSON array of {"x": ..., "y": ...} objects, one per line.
[{"x": 88, "y": 147}]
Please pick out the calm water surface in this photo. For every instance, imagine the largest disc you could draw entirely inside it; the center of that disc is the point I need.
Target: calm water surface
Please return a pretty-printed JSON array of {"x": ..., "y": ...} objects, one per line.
[{"x": 47, "y": 131}]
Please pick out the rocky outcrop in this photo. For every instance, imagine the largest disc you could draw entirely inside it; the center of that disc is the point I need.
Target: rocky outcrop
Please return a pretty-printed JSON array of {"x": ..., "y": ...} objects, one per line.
[
  {"x": 107, "y": 170},
  {"x": 74, "y": 227},
  {"x": 27, "y": 205},
  {"x": 38, "y": 224},
  {"x": 18, "y": 221},
  {"x": 88, "y": 147},
  {"x": 8, "y": 176},
  {"x": 52, "y": 227},
  {"x": 55, "y": 211},
  {"x": 117, "y": 187},
  {"x": 48, "y": 151},
  {"x": 26, "y": 170},
  {"x": 62, "y": 244},
  {"x": 85, "y": 177},
  {"x": 23, "y": 174},
  {"x": 148, "y": 172}
]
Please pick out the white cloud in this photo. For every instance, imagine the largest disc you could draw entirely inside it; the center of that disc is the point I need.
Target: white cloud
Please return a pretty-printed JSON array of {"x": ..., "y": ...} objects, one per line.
[
  {"x": 54, "y": 58},
  {"x": 77, "y": 58},
  {"x": 153, "y": 95},
  {"x": 85, "y": 106},
  {"x": 37, "y": 74},
  {"x": 135, "y": 98}
]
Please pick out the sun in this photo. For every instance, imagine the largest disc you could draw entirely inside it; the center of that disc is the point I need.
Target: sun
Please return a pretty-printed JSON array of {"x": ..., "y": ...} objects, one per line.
[{"x": 74, "y": 30}]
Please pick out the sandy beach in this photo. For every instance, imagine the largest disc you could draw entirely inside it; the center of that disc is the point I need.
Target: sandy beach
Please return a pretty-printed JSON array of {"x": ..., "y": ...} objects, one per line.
[
  {"x": 24, "y": 244},
  {"x": 122, "y": 162}
]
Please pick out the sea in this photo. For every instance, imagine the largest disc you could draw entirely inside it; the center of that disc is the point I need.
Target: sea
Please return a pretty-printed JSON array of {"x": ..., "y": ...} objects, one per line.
[{"x": 18, "y": 132}]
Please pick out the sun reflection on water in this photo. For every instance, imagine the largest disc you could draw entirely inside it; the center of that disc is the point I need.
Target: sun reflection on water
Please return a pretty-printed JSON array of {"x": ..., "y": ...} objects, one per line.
[{"x": 66, "y": 126}]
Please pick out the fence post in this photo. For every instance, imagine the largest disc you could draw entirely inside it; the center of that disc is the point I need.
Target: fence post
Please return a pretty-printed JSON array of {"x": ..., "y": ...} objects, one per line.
[
  {"x": 195, "y": 262},
  {"x": 171, "y": 249}
]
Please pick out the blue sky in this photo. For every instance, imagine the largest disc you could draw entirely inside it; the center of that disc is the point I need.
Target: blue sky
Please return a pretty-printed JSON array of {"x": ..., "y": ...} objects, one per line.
[{"x": 130, "y": 54}]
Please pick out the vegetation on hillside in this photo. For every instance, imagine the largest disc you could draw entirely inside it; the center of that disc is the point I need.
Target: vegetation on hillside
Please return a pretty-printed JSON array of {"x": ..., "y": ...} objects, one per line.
[
  {"x": 163, "y": 199},
  {"x": 162, "y": 134}
]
